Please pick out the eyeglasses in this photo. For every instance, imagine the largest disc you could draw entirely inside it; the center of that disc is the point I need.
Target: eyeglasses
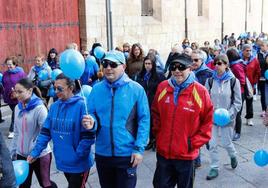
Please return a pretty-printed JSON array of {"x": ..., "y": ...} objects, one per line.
[
  {"x": 111, "y": 63},
  {"x": 195, "y": 60},
  {"x": 219, "y": 63},
  {"x": 180, "y": 67},
  {"x": 58, "y": 89}
]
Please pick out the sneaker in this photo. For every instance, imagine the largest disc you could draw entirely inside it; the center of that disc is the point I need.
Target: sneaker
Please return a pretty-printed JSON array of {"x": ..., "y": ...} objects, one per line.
[
  {"x": 234, "y": 162},
  {"x": 10, "y": 135},
  {"x": 213, "y": 173},
  {"x": 263, "y": 114},
  {"x": 254, "y": 97},
  {"x": 250, "y": 122},
  {"x": 236, "y": 137}
]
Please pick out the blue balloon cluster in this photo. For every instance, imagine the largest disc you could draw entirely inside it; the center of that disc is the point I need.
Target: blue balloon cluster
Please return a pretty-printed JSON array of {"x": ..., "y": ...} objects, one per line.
[
  {"x": 72, "y": 63},
  {"x": 99, "y": 52},
  {"x": 55, "y": 73},
  {"x": 21, "y": 169},
  {"x": 221, "y": 117},
  {"x": 43, "y": 75},
  {"x": 261, "y": 158}
]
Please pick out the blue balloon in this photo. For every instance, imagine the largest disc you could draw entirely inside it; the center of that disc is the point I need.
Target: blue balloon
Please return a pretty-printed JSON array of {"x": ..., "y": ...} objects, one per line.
[
  {"x": 266, "y": 74},
  {"x": 86, "y": 90},
  {"x": 221, "y": 117},
  {"x": 99, "y": 52},
  {"x": 1, "y": 77},
  {"x": 91, "y": 59},
  {"x": 261, "y": 158},
  {"x": 43, "y": 75},
  {"x": 72, "y": 63},
  {"x": 55, "y": 73},
  {"x": 21, "y": 169}
]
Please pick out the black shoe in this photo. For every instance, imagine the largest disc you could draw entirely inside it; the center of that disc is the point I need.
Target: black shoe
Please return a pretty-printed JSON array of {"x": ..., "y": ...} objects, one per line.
[{"x": 2, "y": 120}]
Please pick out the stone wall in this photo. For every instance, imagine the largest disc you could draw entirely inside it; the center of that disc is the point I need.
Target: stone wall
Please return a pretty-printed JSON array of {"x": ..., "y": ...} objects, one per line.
[{"x": 167, "y": 27}]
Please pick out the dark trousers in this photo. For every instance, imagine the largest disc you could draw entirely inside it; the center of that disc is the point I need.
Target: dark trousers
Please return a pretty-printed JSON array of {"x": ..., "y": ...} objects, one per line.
[
  {"x": 238, "y": 119},
  {"x": 249, "y": 108},
  {"x": 261, "y": 86},
  {"x": 12, "y": 107},
  {"x": 41, "y": 168},
  {"x": 170, "y": 173},
  {"x": 76, "y": 180},
  {"x": 116, "y": 172}
]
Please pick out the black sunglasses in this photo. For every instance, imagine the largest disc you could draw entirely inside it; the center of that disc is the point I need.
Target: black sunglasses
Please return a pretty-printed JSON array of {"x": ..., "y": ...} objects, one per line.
[
  {"x": 195, "y": 60},
  {"x": 219, "y": 63},
  {"x": 111, "y": 63},
  {"x": 180, "y": 67},
  {"x": 59, "y": 89}
]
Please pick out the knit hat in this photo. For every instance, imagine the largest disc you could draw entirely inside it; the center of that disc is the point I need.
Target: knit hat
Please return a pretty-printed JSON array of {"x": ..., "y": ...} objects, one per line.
[
  {"x": 222, "y": 57},
  {"x": 182, "y": 59},
  {"x": 115, "y": 56}
]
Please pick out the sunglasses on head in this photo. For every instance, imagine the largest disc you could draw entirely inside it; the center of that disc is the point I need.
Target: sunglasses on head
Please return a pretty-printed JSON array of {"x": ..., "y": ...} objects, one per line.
[
  {"x": 180, "y": 67},
  {"x": 219, "y": 63},
  {"x": 111, "y": 63}
]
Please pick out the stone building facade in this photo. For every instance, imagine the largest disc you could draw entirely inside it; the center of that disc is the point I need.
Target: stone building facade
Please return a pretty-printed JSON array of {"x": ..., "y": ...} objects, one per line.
[{"x": 164, "y": 24}]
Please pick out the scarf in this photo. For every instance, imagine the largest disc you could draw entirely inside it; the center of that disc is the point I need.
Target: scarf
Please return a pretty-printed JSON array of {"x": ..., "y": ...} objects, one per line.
[
  {"x": 147, "y": 76},
  {"x": 15, "y": 70},
  {"x": 124, "y": 79},
  {"x": 227, "y": 75},
  {"x": 34, "y": 101},
  {"x": 179, "y": 87},
  {"x": 37, "y": 69}
]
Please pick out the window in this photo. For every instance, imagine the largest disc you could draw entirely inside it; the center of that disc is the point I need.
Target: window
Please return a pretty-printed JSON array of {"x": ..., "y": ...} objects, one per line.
[
  {"x": 146, "y": 7},
  {"x": 200, "y": 7}
]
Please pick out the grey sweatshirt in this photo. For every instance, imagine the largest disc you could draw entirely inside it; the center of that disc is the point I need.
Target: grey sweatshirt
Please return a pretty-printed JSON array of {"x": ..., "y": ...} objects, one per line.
[
  {"x": 221, "y": 93},
  {"x": 26, "y": 129}
]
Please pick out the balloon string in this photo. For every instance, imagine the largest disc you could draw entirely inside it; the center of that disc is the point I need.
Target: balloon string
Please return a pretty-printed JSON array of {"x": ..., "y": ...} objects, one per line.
[
  {"x": 85, "y": 101},
  {"x": 264, "y": 139}
]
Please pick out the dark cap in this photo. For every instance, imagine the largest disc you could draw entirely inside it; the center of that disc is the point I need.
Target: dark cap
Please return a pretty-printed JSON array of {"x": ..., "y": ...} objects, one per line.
[{"x": 182, "y": 59}]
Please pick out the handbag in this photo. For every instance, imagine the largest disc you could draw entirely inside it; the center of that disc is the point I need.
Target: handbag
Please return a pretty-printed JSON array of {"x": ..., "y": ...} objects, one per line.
[{"x": 248, "y": 89}]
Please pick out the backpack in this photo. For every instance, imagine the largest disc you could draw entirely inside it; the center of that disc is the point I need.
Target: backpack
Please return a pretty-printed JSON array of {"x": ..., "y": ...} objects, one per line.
[{"x": 232, "y": 82}]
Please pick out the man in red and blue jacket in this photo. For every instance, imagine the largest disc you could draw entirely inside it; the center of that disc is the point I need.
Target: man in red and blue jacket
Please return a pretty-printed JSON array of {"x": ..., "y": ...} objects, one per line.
[{"x": 182, "y": 121}]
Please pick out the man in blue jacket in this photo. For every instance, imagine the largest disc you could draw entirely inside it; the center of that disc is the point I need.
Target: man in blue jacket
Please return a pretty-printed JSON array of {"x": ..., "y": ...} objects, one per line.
[{"x": 120, "y": 109}]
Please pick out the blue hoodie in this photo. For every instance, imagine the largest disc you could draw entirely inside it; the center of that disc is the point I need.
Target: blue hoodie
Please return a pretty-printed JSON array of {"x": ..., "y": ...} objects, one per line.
[{"x": 71, "y": 141}]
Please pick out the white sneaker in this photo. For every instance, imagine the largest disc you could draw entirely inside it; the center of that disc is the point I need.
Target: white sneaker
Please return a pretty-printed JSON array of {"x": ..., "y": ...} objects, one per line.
[
  {"x": 250, "y": 122},
  {"x": 10, "y": 135}
]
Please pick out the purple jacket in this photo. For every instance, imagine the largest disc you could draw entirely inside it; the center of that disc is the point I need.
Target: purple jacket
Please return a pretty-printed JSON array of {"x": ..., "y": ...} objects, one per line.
[{"x": 10, "y": 78}]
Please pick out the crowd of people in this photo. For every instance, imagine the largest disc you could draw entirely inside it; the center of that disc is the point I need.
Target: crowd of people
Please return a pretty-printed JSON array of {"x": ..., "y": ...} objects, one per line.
[{"x": 137, "y": 103}]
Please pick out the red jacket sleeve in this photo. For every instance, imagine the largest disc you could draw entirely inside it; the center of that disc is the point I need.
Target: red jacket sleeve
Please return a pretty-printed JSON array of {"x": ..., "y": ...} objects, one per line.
[
  {"x": 239, "y": 73},
  {"x": 203, "y": 135},
  {"x": 155, "y": 114}
]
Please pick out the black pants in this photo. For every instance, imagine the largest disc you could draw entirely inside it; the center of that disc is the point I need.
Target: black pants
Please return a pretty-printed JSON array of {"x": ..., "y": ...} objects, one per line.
[
  {"x": 261, "y": 87},
  {"x": 76, "y": 180},
  {"x": 41, "y": 168},
  {"x": 12, "y": 107},
  {"x": 249, "y": 108},
  {"x": 238, "y": 119},
  {"x": 170, "y": 173},
  {"x": 116, "y": 172}
]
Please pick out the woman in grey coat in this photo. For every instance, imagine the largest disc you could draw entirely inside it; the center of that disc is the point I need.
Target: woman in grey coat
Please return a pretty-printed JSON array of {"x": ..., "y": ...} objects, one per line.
[
  {"x": 30, "y": 114},
  {"x": 225, "y": 93}
]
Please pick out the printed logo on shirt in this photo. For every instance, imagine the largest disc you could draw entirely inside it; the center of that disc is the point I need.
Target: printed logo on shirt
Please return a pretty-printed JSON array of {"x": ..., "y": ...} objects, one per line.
[
  {"x": 190, "y": 103},
  {"x": 167, "y": 100},
  {"x": 188, "y": 109}
]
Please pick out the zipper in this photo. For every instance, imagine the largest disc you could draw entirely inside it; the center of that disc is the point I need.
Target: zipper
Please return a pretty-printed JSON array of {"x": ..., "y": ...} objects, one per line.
[
  {"x": 22, "y": 138},
  {"x": 111, "y": 122},
  {"x": 172, "y": 130}
]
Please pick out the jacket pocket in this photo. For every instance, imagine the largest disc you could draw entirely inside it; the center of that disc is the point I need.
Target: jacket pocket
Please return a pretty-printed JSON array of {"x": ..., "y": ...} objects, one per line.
[
  {"x": 189, "y": 143},
  {"x": 60, "y": 155}
]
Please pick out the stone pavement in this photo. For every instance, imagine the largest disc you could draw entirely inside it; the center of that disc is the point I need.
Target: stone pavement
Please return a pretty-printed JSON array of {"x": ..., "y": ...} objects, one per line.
[{"x": 246, "y": 175}]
